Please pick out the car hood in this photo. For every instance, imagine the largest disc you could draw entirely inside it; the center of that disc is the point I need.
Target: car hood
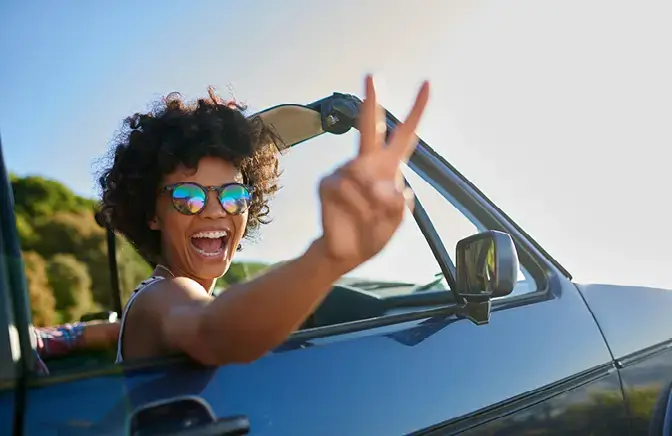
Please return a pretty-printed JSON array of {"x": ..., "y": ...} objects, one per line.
[{"x": 631, "y": 317}]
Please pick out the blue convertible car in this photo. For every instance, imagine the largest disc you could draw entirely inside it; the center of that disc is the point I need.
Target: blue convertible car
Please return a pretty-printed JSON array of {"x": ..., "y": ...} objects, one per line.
[{"x": 507, "y": 345}]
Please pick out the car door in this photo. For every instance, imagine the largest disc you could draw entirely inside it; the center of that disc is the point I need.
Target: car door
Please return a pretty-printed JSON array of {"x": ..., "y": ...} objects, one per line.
[{"x": 540, "y": 364}]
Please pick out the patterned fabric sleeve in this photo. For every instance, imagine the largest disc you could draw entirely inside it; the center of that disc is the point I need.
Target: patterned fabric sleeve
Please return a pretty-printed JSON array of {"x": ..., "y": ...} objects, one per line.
[{"x": 57, "y": 341}]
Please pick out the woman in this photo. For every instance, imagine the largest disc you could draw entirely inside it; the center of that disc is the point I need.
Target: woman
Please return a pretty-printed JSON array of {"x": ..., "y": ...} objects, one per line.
[{"x": 189, "y": 182}]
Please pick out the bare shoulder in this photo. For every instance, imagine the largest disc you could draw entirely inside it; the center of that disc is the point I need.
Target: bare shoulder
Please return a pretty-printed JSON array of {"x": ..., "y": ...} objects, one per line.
[{"x": 165, "y": 294}]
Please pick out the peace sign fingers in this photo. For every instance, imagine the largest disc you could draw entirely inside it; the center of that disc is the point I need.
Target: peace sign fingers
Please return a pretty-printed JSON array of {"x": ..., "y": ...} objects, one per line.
[
  {"x": 363, "y": 202},
  {"x": 372, "y": 129}
]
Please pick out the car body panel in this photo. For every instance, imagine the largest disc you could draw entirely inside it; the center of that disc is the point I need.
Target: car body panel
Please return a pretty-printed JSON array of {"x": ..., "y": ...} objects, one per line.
[
  {"x": 425, "y": 371},
  {"x": 7, "y": 412},
  {"x": 637, "y": 326},
  {"x": 632, "y": 318},
  {"x": 645, "y": 378}
]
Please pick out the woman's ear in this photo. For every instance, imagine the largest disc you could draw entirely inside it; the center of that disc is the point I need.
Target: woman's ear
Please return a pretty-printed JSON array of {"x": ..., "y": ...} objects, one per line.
[{"x": 154, "y": 223}]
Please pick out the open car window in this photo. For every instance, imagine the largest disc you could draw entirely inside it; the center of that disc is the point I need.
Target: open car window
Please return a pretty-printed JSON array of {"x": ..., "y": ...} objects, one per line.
[
  {"x": 405, "y": 266},
  {"x": 406, "y": 262},
  {"x": 453, "y": 223}
]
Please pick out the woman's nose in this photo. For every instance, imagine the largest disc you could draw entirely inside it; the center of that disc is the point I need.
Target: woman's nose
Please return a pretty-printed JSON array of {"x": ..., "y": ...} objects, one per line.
[{"x": 213, "y": 209}]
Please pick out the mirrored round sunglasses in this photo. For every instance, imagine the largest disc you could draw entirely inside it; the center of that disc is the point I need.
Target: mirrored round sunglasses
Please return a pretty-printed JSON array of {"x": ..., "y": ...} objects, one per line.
[{"x": 190, "y": 198}]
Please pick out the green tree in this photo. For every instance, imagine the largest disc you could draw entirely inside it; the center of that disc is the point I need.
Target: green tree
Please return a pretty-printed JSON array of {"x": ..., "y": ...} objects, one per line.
[
  {"x": 42, "y": 301},
  {"x": 27, "y": 234},
  {"x": 71, "y": 284},
  {"x": 241, "y": 271},
  {"x": 68, "y": 232},
  {"x": 37, "y": 196},
  {"x": 132, "y": 268},
  {"x": 78, "y": 234}
]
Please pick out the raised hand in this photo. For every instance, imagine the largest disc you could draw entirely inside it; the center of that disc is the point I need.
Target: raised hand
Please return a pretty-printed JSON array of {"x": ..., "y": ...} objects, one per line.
[{"x": 363, "y": 201}]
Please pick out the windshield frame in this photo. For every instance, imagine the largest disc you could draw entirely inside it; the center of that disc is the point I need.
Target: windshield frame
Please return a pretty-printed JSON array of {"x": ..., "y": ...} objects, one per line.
[{"x": 18, "y": 342}]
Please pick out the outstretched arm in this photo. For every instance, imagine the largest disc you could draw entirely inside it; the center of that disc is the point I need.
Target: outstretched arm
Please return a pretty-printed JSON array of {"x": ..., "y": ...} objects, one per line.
[{"x": 248, "y": 319}]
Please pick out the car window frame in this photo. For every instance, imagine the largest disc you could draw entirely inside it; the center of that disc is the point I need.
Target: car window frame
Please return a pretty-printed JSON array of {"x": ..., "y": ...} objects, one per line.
[
  {"x": 10, "y": 347},
  {"x": 17, "y": 343},
  {"x": 16, "y": 312}
]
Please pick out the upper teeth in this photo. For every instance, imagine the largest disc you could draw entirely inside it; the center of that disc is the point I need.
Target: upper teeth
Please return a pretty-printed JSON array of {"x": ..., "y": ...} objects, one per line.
[{"x": 212, "y": 235}]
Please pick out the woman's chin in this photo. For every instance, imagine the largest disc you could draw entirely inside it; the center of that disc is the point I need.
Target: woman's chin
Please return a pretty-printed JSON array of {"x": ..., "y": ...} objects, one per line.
[
  {"x": 211, "y": 266},
  {"x": 212, "y": 270}
]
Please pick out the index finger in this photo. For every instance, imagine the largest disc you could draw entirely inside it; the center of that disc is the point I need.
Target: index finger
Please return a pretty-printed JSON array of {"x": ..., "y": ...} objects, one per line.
[
  {"x": 368, "y": 119},
  {"x": 404, "y": 139}
]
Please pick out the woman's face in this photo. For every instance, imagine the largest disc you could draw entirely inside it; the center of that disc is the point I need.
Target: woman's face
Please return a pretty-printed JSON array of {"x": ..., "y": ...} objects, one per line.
[{"x": 200, "y": 246}]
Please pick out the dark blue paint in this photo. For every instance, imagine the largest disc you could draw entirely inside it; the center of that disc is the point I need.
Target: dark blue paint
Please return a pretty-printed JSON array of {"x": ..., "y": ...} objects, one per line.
[
  {"x": 632, "y": 318},
  {"x": 391, "y": 380},
  {"x": 6, "y": 411},
  {"x": 637, "y": 325}
]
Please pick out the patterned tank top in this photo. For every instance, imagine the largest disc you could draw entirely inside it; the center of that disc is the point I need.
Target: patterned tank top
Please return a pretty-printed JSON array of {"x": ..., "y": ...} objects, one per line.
[{"x": 141, "y": 287}]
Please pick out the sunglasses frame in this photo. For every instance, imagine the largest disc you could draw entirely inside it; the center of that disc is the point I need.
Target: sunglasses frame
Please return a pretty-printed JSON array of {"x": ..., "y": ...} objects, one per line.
[{"x": 218, "y": 189}]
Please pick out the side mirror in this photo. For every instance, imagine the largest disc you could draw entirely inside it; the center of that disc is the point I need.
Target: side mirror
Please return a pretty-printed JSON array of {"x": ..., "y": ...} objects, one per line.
[{"x": 486, "y": 267}]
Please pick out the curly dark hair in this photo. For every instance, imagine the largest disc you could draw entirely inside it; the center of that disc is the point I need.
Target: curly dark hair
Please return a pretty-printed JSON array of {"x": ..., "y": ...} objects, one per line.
[{"x": 152, "y": 145}]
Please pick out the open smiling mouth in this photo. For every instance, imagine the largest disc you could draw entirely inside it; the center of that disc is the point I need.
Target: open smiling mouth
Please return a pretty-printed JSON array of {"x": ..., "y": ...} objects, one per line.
[{"x": 210, "y": 243}]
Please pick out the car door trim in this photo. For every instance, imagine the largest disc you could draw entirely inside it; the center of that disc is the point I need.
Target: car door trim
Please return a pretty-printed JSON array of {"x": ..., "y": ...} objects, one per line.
[{"x": 644, "y": 354}]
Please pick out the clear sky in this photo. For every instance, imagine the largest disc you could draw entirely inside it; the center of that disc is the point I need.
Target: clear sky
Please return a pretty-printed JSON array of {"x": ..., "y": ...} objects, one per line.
[{"x": 558, "y": 110}]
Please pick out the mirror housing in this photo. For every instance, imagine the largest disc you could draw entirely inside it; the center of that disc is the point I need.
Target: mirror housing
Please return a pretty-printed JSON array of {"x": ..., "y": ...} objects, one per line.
[{"x": 486, "y": 267}]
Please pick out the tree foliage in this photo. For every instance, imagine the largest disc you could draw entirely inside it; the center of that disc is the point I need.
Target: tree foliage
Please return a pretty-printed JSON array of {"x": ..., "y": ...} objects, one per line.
[
  {"x": 65, "y": 252},
  {"x": 240, "y": 271},
  {"x": 71, "y": 284},
  {"x": 37, "y": 196},
  {"x": 42, "y": 301}
]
